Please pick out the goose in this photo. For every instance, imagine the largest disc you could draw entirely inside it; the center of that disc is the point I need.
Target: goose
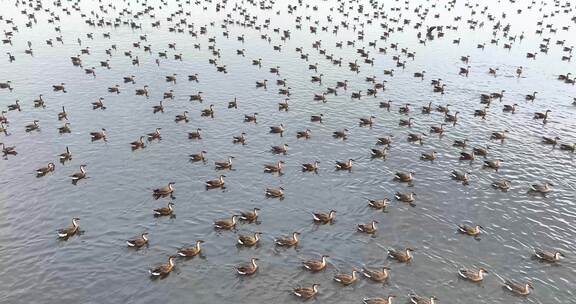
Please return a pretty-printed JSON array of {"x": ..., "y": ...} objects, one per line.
[
  {"x": 306, "y": 292},
  {"x": 451, "y": 118},
  {"x": 369, "y": 228},
  {"x": 316, "y": 265},
  {"x": 59, "y": 87},
  {"x": 79, "y": 175},
  {"x": 482, "y": 113},
  {"x": 3, "y": 128},
  {"x": 98, "y": 135},
  {"x": 288, "y": 241},
  {"x": 377, "y": 275},
  {"x": 63, "y": 114},
  {"x": 164, "y": 191},
  {"x": 139, "y": 144},
  {"x": 274, "y": 168},
  {"x": 465, "y": 59},
  {"x": 130, "y": 78},
  {"x": 344, "y": 165},
  {"x": 443, "y": 109},
  {"x": 320, "y": 97},
  {"x": 250, "y": 216},
  {"x": 99, "y": 104},
  {"x": 460, "y": 176},
  {"x": 163, "y": 269},
  {"x": 492, "y": 71},
  {"x": 519, "y": 71},
  {"x": 531, "y": 97},
  {"x": 413, "y": 137},
  {"x": 404, "y": 176},
  {"x": 249, "y": 240},
  {"x": 168, "y": 95},
  {"x": 34, "y": 126},
  {"x": 567, "y": 147},
  {"x": 143, "y": 91},
  {"x": 304, "y": 134},
  {"x": 416, "y": 299},
  {"x": 226, "y": 224},
  {"x": 493, "y": 164},
  {"x": 340, "y": 134},
  {"x": 182, "y": 117},
  {"x": 216, "y": 183},
  {"x": 195, "y": 134},
  {"x": 548, "y": 256},
  {"x": 342, "y": 84},
  {"x": 277, "y": 129},
  {"x": 439, "y": 88},
  {"x": 324, "y": 218},
  {"x": 346, "y": 279},
  {"x": 387, "y": 300},
  {"x": 470, "y": 230},
  {"x": 8, "y": 150},
  {"x": 198, "y": 157},
  {"x": 70, "y": 230},
  {"x": 283, "y": 149},
  {"x": 499, "y": 135},
  {"x": 310, "y": 167},
  {"x": 191, "y": 251},
  {"x": 544, "y": 116},
  {"x": 464, "y": 71},
  {"x": 275, "y": 192},
  {"x": 165, "y": 211},
  {"x": 510, "y": 108},
  {"x": 379, "y": 153},
  {"x": 66, "y": 155},
  {"x": 406, "y": 122},
  {"x": 6, "y": 85},
  {"x": 355, "y": 95},
  {"x": 474, "y": 276},
  {"x": 541, "y": 188},
  {"x": 317, "y": 78},
  {"x": 250, "y": 118},
  {"x": 419, "y": 74},
  {"x": 518, "y": 288},
  {"x": 405, "y": 109},
  {"x": 427, "y": 109},
  {"x": 261, "y": 84},
  {"x": 467, "y": 156},
  {"x": 154, "y": 135},
  {"x": 437, "y": 129},
  {"x": 241, "y": 139},
  {"x": 367, "y": 121},
  {"x": 114, "y": 89},
  {"x": 379, "y": 203},
  {"x": 460, "y": 143},
  {"x": 65, "y": 129},
  {"x": 316, "y": 118},
  {"x": 139, "y": 241},
  {"x": 283, "y": 105},
  {"x": 15, "y": 106},
  {"x": 402, "y": 256},
  {"x": 503, "y": 185},
  {"x": 39, "y": 102},
  {"x": 248, "y": 269}
]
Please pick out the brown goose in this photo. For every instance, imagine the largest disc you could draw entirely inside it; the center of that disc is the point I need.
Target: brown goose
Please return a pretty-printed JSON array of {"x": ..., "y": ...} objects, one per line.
[
  {"x": 277, "y": 129},
  {"x": 311, "y": 167},
  {"x": 233, "y": 104},
  {"x": 369, "y": 228},
  {"x": 250, "y": 216},
  {"x": 138, "y": 242},
  {"x": 379, "y": 204},
  {"x": 340, "y": 134},
  {"x": 402, "y": 256},
  {"x": 404, "y": 176},
  {"x": 416, "y": 299},
  {"x": 306, "y": 293},
  {"x": 376, "y": 275},
  {"x": 98, "y": 135},
  {"x": 567, "y": 147},
  {"x": 248, "y": 269},
  {"x": 470, "y": 230},
  {"x": 283, "y": 106},
  {"x": 279, "y": 149},
  {"x": 142, "y": 92},
  {"x": 164, "y": 191},
  {"x": 139, "y": 144},
  {"x": 66, "y": 155},
  {"x": 316, "y": 265},
  {"x": 413, "y": 137},
  {"x": 501, "y": 135},
  {"x": 428, "y": 156},
  {"x": 241, "y": 139},
  {"x": 71, "y": 230},
  {"x": 379, "y": 153},
  {"x": 548, "y": 256},
  {"x": 165, "y": 211},
  {"x": 518, "y": 288},
  {"x": 481, "y": 151},
  {"x": 460, "y": 176},
  {"x": 346, "y": 279},
  {"x": 503, "y": 185},
  {"x": 474, "y": 276},
  {"x": 182, "y": 117},
  {"x": 216, "y": 183},
  {"x": 226, "y": 224},
  {"x": 190, "y": 251},
  {"x": 510, "y": 108},
  {"x": 406, "y": 122},
  {"x": 250, "y": 118},
  {"x": 406, "y": 197},
  {"x": 467, "y": 156},
  {"x": 59, "y": 87},
  {"x": 304, "y": 134},
  {"x": 209, "y": 111},
  {"x": 198, "y": 157},
  {"x": 63, "y": 114},
  {"x": 493, "y": 164},
  {"x": 324, "y": 218},
  {"x": 79, "y": 175},
  {"x": 437, "y": 129},
  {"x": 249, "y": 240},
  {"x": 34, "y": 126},
  {"x": 274, "y": 168},
  {"x": 45, "y": 170},
  {"x": 288, "y": 241},
  {"x": 222, "y": 165},
  {"x": 344, "y": 165},
  {"x": 275, "y": 192},
  {"x": 163, "y": 269},
  {"x": 99, "y": 104},
  {"x": 543, "y": 116},
  {"x": 367, "y": 121},
  {"x": 154, "y": 135},
  {"x": 541, "y": 188},
  {"x": 388, "y": 300},
  {"x": 550, "y": 140}
]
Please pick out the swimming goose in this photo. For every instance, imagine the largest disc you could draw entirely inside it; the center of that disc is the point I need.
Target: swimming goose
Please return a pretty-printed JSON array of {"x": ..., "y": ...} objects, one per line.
[
  {"x": 493, "y": 164},
  {"x": 451, "y": 118},
  {"x": 550, "y": 140},
  {"x": 261, "y": 84},
  {"x": 66, "y": 155},
  {"x": 142, "y": 92},
  {"x": 233, "y": 104},
  {"x": 420, "y": 74},
  {"x": 138, "y": 144},
  {"x": 39, "y": 102},
  {"x": 427, "y": 109},
  {"x": 306, "y": 293},
  {"x": 250, "y": 216},
  {"x": 344, "y": 165},
  {"x": 460, "y": 176},
  {"x": 198, "y": 157},
  {"x": 129, "y": 79},
  {"x": 386, "y": 105},
  {"x": 428, "y": 156},
  {"x": 470, "y": 230},
  {"x": 377, "y": 275},
  {"x": 474, "y": 276},
  {"x": 288, "y": 241},
  {"x": 283, "y": 105},
  {"x": 248, "y": 269},
  {"x": 226, "y": 224},
  {"x": 7, "y": 84},
  {"x": 510, "y": 108},
  {"x": 15, "y": 106},
  {"x": 171, "y": 78},
  {"x": 227, "y": 164},
  {"x": 164, "y": 211},
  {"x": 154, "y": 135},
  {"x": 519, "y": 71},
  {"x": 324, "y": 218},
  {"x": 316, "y": 118},
  {"x": 310, "y": 167},
  {"x": 195, "y": 134},
  {"x": 138, "y": 242},
  {"x": 367, "y": 121},
  {"x": 164, "y": 191},
  {"x": 249, "y": 240},
  {"x": 413, "y": 137},
  {"x": 460, "y": 143},
  {"x": 114, "y": 89},
  {"x": 369, "y": 228},
  {"x": 388, "y": 300},
  {"x": 346, "y": 279},
  {"x": 304, "y": 134},
  {"x": 191, "y": 251},
  {"x": 406, "y": 197},
  {"x": 379, "y": 153},
  {"x": 416, "y": 299},
  {"x": 405, "y": 109},
  {"x": 182, "y": 117},
  {"x": 71, "y": 230},
  {"x": 531, "y": 97},
  {"x": 567, "y": 147},
  {"x": 59, "y": 87},
  {"x": 275, "y": 192},
  {"x": 402, "y": 256},
  {"x": 541, "y": 188},
  {"x": 239, "y": 139},
  {"x": 316, "y": 265},
  {"x": 518, "y": 288},
  {"x": 196, "y": 97},
  {"x": 548, "y": 256},
  {"x": 98, "y": 135},
  {"x": 277, "y": 129},
  {"x": 99, "y": 104},
  {"x": 274, "y": 168},
  {"x": 33, "y": 126},
  {"x": 79, "y": 175},
  {"x": 503, "y": 185},
  {"x": 3, "y": 128},
  {"x": 163, "y": 269},
  {"x": 544, "y": 116},
  {"x": 279, "y": 149},
  {"x": 379, "y": 203},
  {"x": 406, "y": 122},
  {"x": 45, "y": 170},
  {"x": 404, "y": 176},
  {"x": 340, "y": 134},
  {"x": 467, "y": 156},
  {"x": 216, "y": 183}
]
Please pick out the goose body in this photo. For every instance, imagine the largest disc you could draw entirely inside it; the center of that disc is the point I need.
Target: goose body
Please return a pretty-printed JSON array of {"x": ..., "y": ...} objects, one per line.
[
  {"x": 346, "y": 279},
  {"x": 191, "y": 251},
  {"x": 163, "y": 269},
  {"x": 402, "y": 256},
  {"x": 474, "y": 276},
  {"x": 138, "y": 242},
  {"x": 306, "y": 292},
  {"x": 164, "y": 211},
  {"x": 288, "y": 241},
  {"x": 377, "y": 275},
  {"x": 226, "y": 224},
  {"x": 518, "y": 288},
  {"x": 315, "y": 265},
  {"x": 248, "y": 269},
  {"x": 216, "y": 183},
  {"x": 324, "y": 218},
  {"x": 71, "y": 230},
  {"x": 548, "y": 256},
  {"x": 369, "y": 228},
  {"x": 249, "y": 240}
]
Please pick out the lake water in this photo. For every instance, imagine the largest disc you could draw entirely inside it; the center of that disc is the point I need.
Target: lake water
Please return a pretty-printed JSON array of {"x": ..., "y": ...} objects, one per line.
[{"x": 115, "y": 202}]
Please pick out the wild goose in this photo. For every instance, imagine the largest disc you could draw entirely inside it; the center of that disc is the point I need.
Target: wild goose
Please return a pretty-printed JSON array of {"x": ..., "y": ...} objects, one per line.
[
  {"x": 233, "y": 104},
  {"x": 304, "y": 134},
  {"x": 261, "y": 84},
  {"x": 34, "y": 126},
  {"x": 405, "y": 109},
  {"x": 59, "y": 87},
  {"x": 7, "y": 84},
  {"x": 227, "y": 164},
  {"x": 65, "y": 156},
  {"x": 460, "y": 176},
  {"x": 367, "y": 121},
  {"x": 416, "y": 299},
  {"x": 168, "y": 95},
  {"x": 45, "y": 170},
  {"x": 182, "y": 117},
  {"x": 98, "y": 135},
  {"x": 250, "y": 216},
  {"x": 406, "y": 122},
  {"x": 130, "y": 78},
  {"x": 274, "y": 168},
  {"x": 388, "y": 300},
  {"x": 377, "y": 275},
  {"x": 481, "y": 113},
  {"x": 99, "y": 104},
  {"x": 464, "y": 71},
  {"x": 567, "y": 147},
  {"x": 355, "y": 95},
  {"x": 39, "y": 102},
  {"x": 165, "y": 211},
  {"x": 369, "y": 228},
  {"x": 492, "y": 71},
  {"x": 317, "y": 78},
  {"x": 288, "y": 241},
  {"x": 510, "y": 108},
  {"x": 139, "y": 144},
  {"x": 279, "y": 149},
  {"x": 550, "y": 140},
  {"x": 443, "y": 109},
  {"x": 544, "y": 116},
  {"x": 531, "y": 97},
  {"x": 306, "y": 293},
  {"x": 249, "y": 240},
  {"x": 275, "y": 192},
  {"x": 342, "y": 84},
  {"x": 310, "y": 167},
  {"x": 248, "y": 269},
  {"x": 428, "y": 156},
  {"x": 460, "y": 143},
  {"x": 379, "y": 153},
  {"x": 541, "y": 188},
  {"x": 518, "y": 288},
  {"x": 283, "y": 106},
  {"x": 467, "y": 156},
  {"x": 379, "y": 203},
  {"x": 470, "y": 230},
  {"x": 346, "y": 279},
  {"x": 493, "y": 164},
  {"x": 15, "y": 106},
  {"x": 190, "y": 251},
  {"x": 114, "y": 89},
  {"x": 548, "y": 256},
  {"x": 3, "y": 128},
  {"x": 171, "y": 78},
  {"x": 402, "y": 256},
  {"x": 427, "y": 109},
  {"x": 385, "y": 105},
  {"x": 164, "y": 191},
  {"x": 320, "y": 97},
  {"x": 196, "y": 97},
  {"x": 154, "y": 135},
  {"x": 198, "y": 157},
  {"x": 340, "y": 134},
  {"x": 70, "y": 230},
  {"x": 406, "y": 197},
  {"x": 316, "y": 265},
  {"x": 142, "y": 92},
  {"x": 226, "y": 224},
  {"x": 519, "y": 71},
  {"x": 216, "y": 183},
  {"x": 404, "y": 176},
  {"x": 195, "y": 134},
  {"x": 8, "y": 150},
  {"x": 316, "y": 118},
  {"x": 347, "y": 165},
  {"x": 277, "y": 129},
  {"x": 164, "y": 269},
  {"x": 79, "y": 175},
  {"x": 503, "y": 185},
  {"x": 419, "y": 74},
  {"x": 324, "y": 218},
  {"x": 239, "y": 139},
  {"x": 139, "y": 241},
  {"x": 451, "y": 118},
  {"x": 474, "y": 276}
]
